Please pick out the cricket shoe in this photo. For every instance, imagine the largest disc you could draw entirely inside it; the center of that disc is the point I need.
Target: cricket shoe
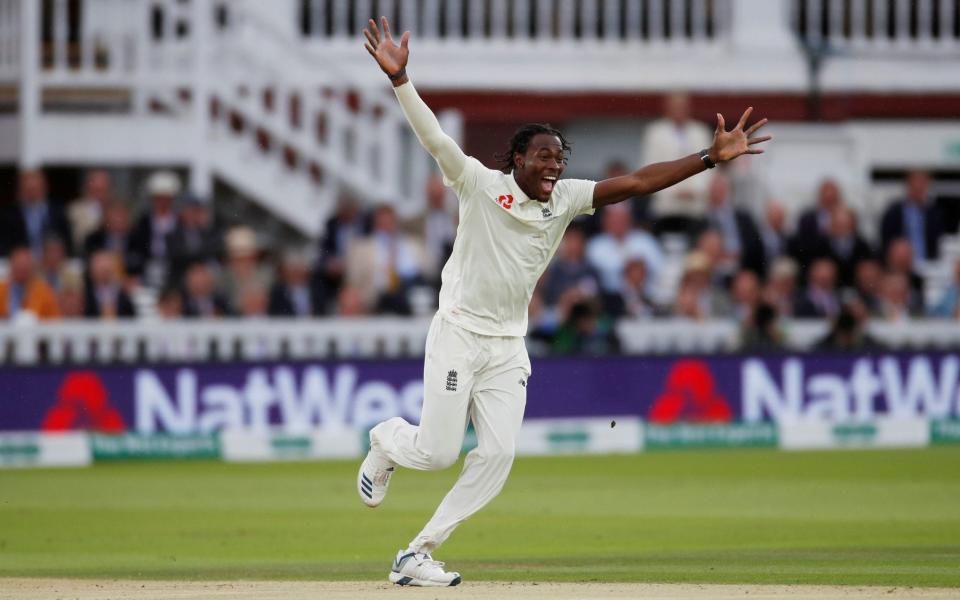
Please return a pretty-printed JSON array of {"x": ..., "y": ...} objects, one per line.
[
  {"x": 419, "y": 569},
  {"x": 374, "y": 477}
]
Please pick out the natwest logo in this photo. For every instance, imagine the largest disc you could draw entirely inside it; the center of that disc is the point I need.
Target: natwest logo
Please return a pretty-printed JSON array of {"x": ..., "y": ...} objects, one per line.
[
  {"x": 916, "y": 386},
  {"x": 270, "y": 397},
  {"x": 690, "y": 394},
  {"x": 83, "y": 403}
]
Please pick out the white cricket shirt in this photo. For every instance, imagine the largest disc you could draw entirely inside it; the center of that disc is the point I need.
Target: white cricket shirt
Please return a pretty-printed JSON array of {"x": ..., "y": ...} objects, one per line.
[{"x": 504, "y": 242}]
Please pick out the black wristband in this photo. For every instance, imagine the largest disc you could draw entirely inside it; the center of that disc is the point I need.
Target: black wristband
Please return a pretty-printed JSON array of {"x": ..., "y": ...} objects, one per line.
[
  {"x": 705, "y": 157},
  {"x": 398, "y": 74}
]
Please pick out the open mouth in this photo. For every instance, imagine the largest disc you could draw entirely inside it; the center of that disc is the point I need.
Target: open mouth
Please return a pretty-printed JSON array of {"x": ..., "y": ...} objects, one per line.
[{"x": 546, "y": 185}]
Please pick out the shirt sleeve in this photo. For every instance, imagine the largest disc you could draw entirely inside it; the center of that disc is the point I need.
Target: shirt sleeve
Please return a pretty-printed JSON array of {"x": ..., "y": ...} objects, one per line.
[
  {"x": 472, "y": 177},
  {"x": 424, "y": 123},
  {"x": 579, "y": 193}
]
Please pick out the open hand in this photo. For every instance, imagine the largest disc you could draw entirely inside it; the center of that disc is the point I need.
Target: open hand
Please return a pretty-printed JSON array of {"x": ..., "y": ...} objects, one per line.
[
  {"x": 391, "y": 57},
  {"x": 727, "y": 145}
]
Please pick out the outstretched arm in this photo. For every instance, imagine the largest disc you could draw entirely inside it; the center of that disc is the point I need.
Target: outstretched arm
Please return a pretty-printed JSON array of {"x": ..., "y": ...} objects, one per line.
[
  {"x": 727, "y": 145},
  {"x": 393, "y": 61}
]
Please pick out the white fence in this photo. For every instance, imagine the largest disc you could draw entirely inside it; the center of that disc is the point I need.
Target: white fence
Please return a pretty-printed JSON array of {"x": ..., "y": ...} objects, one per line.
[
  {"x": 674, "y": 21},
  {"x": 879, "y": 26},
  {"x": 84, "y": 342}
]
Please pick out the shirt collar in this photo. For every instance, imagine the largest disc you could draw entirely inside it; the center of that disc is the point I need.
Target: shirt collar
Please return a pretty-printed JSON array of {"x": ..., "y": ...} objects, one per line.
[{"x": 518, "y": 194}]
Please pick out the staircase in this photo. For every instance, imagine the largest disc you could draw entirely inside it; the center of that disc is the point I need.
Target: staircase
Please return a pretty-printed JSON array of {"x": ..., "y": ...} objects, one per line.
[{"x": 219, "y": 86}]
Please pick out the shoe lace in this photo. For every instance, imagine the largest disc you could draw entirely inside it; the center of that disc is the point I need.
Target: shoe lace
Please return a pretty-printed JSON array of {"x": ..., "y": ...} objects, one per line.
[{"x": 428, "y": 561}]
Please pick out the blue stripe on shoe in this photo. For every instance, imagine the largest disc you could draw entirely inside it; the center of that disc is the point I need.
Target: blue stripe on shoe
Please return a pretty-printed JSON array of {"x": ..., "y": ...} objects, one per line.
[
  {"x": 399, "y": 562},
  {"x": 367, "y": 489},
  {"x": 405, "y": 580},
  {"x": 364, "y": 477},
  {"x": 366, "y": 493},
  {"x": 456, "y": 581}
]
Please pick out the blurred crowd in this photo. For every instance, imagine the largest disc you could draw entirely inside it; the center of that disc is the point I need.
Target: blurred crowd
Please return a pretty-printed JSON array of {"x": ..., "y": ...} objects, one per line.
[{"x": 695, "y": 251}]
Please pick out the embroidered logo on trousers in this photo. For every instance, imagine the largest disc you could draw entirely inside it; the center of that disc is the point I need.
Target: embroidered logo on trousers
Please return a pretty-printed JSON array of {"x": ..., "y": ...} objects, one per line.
[{"x": 451, "y": 381}]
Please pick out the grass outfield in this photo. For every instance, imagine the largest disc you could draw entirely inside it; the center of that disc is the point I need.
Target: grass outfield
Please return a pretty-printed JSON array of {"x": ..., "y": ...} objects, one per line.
[{"x": 755, "y": 516}]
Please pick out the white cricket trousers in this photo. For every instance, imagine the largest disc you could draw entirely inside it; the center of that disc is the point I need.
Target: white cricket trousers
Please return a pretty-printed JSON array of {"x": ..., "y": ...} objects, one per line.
[{"x": 465, "y": 376}]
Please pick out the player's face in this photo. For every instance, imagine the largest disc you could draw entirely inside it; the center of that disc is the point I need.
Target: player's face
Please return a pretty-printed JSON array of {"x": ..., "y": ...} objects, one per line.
[{"x": 542, "y": 166}]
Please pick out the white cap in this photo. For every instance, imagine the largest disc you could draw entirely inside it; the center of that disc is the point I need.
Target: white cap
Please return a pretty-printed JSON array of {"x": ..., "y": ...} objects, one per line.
[{"x": 163, "y": 183}]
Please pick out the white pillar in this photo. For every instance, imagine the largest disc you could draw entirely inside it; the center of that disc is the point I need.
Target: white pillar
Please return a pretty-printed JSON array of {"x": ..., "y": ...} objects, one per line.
[
  {"x": 200, "y": 178},
  {"x": 761, "y": 25},
  {"x": 29, "y": 96}
]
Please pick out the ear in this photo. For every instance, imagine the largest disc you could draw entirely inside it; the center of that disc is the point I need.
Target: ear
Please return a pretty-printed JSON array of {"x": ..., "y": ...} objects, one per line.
[{"x": 517, "y": 160}]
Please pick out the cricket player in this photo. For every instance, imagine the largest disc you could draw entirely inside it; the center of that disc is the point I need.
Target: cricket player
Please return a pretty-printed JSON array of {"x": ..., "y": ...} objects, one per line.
[{"x": 476, "y": 365}]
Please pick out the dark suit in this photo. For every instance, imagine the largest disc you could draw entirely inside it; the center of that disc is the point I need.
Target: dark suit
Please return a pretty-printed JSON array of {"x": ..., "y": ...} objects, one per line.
[
  {"x": 808, "y": 239},
  {"x": 752, "y": 252},
  {"x": 893, "y": 226},
  {"x": 14, "y": 232},
  {"x": 282, "y": 304},
  {"x": 185, "y": 247},
  {"x": 124, "y": 307},
  {"x": 221, "y": 308},
  {"x": 846, "y": 264},
  {"x": 140, "y": 245}
]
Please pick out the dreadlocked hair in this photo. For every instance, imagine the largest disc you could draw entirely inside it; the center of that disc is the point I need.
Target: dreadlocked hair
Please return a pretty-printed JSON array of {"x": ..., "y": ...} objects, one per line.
[{"x": 521, "y": 141}]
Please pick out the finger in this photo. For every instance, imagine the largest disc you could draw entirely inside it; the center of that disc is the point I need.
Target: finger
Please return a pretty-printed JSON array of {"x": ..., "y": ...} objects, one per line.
[
  {"x": 386, "y": 28},
  {"x": 370, "y": 38},
  {"x": 370, "y": 50},
  {"x": 721, "y": 125},
  {"x": 374, "y": 30},
  {"x": 756, "y": 126},
  {"x": 743, "y": 119},
  {"x": 405, "y": 40},
  {"x": 755, "y": 151},
  {"x": 759, "y": 140}
]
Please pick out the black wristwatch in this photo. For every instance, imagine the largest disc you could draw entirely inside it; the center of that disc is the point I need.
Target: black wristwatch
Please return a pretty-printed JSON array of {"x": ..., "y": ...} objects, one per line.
[{"x": 705, "y": 157}]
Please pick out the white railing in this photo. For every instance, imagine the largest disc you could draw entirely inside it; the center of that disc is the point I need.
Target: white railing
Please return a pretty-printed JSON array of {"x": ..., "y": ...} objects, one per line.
[
  {"x": 586, "y": 21},
  {"x": 879, "y": 26},
  {"x": 90, "y": 342}
]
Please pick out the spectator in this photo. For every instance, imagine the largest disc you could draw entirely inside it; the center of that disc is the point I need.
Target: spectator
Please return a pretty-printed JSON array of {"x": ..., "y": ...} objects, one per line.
[
  {"x": 722, "y": 266},
  {"x": 170, "y": 304},
  {"x": 33, "y": 218},
  {"x": 350, "y": 302},
  {"x": 895, "y": 300},
  {"x": 25, "y": 291},
  {"x": 773, "y": 233},
  {"x": 253, "y": 301},
  {"x": 844, "y": 245},
  {"x": 345, "y": 226},
  {"x": 781, "y": 289},
  {"x": 867, "y": 281},
  {"x": 847, "y": 333},
  {"x": 633, "y": 300},
  {"x": 813, "y": 227},
  {"x": 609, "y": 251},
  {"x": 105, "y": 296},
  {"x": 86, "y": 212},
  {"x": 570, "y": 268},
  {"x": 114, "y": 232},
  {"x": 437, "y": 227},
  {"x": 762, "y": 333},
  {"x": 676, "y": 134},
  {"x": 383, "y": 266},
  {"x": 819, "y": 300},
  {"x": 200, "y": 298},
  {"x": 243, "y": 265},
  {"x": 297, "y": 294},
  {"x": 900, "y": 260},
  {"x": 742, "y": 244},
  {"x": 916, "y": 218},
  {"x": 53, "y": 262},
  {"x": 745, "y": 296},
  {"x": 948, "y": 307},
  {"x": 147, "y": 245},
  {"x": 196, "y": 237},
  {"x": 586, "y": 332},
  {"x": 71, "y": 294},
  {"x": 697, "y": 299}
]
